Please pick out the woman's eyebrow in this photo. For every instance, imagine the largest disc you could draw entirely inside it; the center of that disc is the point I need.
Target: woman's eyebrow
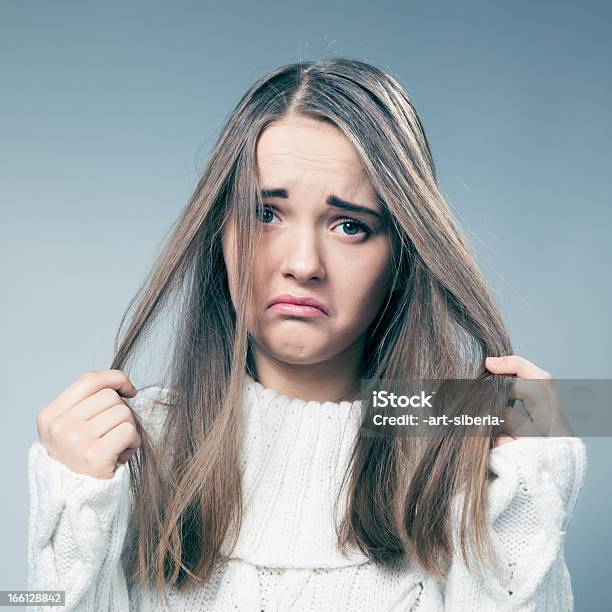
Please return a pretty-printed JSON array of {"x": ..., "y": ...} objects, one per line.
[{"x": 332, "y": 200}]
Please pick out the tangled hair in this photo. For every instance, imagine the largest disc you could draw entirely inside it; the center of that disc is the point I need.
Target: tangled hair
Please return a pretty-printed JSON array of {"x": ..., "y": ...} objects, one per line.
[{"x": 438, "y": 321}]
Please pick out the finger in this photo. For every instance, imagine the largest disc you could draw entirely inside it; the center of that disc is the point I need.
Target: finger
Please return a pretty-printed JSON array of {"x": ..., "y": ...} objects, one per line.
[
  {"x": 87, "y": 384},
  {"x": 531, "y": 391},
  {"x": 102, "y": 423},
  {"x": 518, "y": 425},
  {"x": 126, "y": 455},
  {"x": 96, "y": 404},
  {"x": 540, "y": 400},
  {"x": 515, "y": 364},
  {"x": 513, "y": 420},
  {"x": 117, "y": 440},
  {"x": 503, "y": 439}
]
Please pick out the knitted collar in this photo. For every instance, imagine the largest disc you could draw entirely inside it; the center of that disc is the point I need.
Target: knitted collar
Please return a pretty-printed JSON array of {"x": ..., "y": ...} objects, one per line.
[{"x": 293, "y": 456}]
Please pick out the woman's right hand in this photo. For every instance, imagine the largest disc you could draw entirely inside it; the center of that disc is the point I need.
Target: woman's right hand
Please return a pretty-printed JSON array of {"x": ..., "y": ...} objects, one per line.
[{"x": 88, "y": 427}]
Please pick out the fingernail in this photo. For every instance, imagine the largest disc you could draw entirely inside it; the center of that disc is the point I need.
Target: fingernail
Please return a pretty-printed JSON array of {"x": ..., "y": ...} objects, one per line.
[{"x": 494, "y": 358}]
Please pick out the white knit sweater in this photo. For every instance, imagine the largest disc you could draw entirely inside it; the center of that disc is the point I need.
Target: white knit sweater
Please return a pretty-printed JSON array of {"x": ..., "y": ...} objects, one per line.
[{"x": 286, "y": 556}]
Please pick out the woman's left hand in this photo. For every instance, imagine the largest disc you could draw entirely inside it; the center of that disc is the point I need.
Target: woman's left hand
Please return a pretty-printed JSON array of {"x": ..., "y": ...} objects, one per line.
[{"x": 535, "y": 388}]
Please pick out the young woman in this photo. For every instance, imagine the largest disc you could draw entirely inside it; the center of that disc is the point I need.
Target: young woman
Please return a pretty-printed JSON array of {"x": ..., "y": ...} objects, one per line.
[{"x": 316, "y": 252}]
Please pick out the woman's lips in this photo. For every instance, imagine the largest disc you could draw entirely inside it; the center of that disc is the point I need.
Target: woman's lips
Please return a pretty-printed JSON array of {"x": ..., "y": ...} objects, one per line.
[{"x": 296, "y": 310}]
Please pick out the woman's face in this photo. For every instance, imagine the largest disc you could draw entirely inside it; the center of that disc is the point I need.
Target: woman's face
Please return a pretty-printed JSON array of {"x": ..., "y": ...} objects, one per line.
[{"x": 311, "y": 248}]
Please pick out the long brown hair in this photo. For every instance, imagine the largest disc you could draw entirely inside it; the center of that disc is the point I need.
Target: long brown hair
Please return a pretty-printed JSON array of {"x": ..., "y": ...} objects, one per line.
[{"x": 441, "y": 323}]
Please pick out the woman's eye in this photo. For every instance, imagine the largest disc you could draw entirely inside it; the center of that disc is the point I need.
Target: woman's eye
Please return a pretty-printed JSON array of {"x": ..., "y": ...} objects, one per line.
[
  {"x": 353, "y": 228},
  {"x": 266, "y": 213}
]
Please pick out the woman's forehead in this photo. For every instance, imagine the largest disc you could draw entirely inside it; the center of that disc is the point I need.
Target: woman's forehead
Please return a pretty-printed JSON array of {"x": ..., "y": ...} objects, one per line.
[{"x": 309, "y": 144}]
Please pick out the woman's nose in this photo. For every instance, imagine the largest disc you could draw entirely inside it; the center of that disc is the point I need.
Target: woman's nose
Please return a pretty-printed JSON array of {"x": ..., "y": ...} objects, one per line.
[{"x": 302, "y": 258}]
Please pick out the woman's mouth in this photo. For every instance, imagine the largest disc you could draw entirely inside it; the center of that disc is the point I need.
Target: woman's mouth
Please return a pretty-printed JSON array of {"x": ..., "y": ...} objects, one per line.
[
  {"x": 298, "y": 306},
  {"x": 296, "y": 310}
]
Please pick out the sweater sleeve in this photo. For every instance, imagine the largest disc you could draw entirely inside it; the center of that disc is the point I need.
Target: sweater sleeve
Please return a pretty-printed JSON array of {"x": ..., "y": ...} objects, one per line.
[
  {"x": 77, "y": 529},
  {"x": 77, "y": 526},
  {"x": 530, "y": 504}
]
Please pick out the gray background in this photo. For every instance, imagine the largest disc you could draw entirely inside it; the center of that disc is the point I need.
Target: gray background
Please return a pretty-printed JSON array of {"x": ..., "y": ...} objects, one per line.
[{"x": 108, "y": 111}]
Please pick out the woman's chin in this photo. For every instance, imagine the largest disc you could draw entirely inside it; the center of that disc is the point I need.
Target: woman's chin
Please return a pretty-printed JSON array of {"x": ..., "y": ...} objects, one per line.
[
  {"x": 294, "y": 357},
  {"x": 295, "y": 351}
]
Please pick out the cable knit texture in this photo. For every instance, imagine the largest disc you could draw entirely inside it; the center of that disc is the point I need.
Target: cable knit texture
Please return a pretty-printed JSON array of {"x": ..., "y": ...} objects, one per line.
[{"x": 292, "y": 459}]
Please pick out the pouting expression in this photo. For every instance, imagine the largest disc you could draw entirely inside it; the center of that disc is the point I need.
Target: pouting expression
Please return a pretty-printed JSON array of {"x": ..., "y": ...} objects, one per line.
[{"x": 312, "y": 245}]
